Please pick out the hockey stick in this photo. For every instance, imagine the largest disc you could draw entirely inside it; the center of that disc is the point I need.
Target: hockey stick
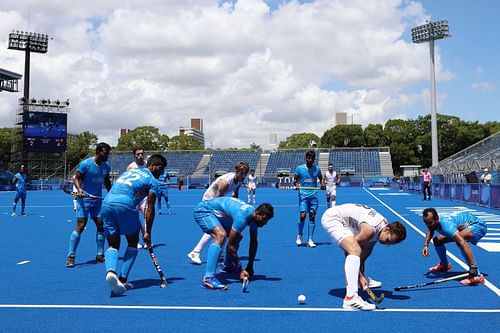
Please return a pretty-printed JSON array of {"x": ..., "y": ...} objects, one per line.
[
  {"x": 84, "y": 195},
  {"x": 245, "y": 285},
  {"x": 163, "y": 279},
  {"x": 374, "y": 297},
  {"x": 451, "y": 278}
]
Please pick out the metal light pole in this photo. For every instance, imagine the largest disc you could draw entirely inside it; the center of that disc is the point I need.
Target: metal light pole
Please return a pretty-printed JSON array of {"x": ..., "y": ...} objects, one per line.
[
  {"x": 28, "y": 42},
  {"x": 429, "y": 32}
]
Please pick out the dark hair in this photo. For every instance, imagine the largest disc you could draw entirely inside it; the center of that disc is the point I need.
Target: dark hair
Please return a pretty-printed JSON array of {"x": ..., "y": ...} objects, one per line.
[
  {"x": 242, "y": 166},
  {"x": 265, "y": 209},
  {"x": 136, "y": 149},
  {"x": 101, "y": 146},
  {"x": 398, "y": 229},
  {"x": 157, "y": 159},
  {"x": 330, "y": 164},
  {"x": 311, "y": 153},
  {"x": 434, "y": 212}
]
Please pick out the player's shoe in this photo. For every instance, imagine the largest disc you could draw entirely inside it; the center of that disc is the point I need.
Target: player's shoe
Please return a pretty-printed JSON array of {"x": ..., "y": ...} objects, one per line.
[
  {"x": 116, "y": 286},
  {"x": 357, "y": 303},
  {"x": 139, "y": 245},
  {"x": 127, "y": 285},
  {"x": 24, "y": 214},
  {"x": 70, "y": 261},
  {"x": 13, "y": 214},
  {"x": 440, "y": 268},
  {"x": 374, "y": 283},
  {"x": 211, "y": 282},
  {"x": 194, "y": 257},
  {"x": 478, "y": 279},
  {"x": 159, "y": 212},
  {"x": 298, "y": 241},
  {"x": 310, "y": 243},
  {"x": 99, "y": 258}
]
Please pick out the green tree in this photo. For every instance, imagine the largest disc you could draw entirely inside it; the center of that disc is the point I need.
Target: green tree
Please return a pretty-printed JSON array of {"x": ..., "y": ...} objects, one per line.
[
  {"x": 343, "y": 136},
  {"x": 77, "y": 149},
  {"x": 184, "y": 142},
  {"x": 301, "y": 140},
  {"x": 255, "y": 146},
  {"x": 374, "y": 136},
  {"x": 147, "y": 137},
  {"x": 6, "y": 135}
]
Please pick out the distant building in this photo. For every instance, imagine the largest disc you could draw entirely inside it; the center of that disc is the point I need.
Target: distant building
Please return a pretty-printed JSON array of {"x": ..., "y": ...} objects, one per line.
[
  {"x": 196, "y": 131},
  {"x": 341, "y": 118},
  {"x": 123, "y": 131}
]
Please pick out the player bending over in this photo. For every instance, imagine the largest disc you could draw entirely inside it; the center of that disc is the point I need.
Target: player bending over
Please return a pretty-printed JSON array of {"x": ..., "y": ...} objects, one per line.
[
  {"x": 227, "y": 183},
  {"x": 121, "y": 217},
  {"x": 461, "y": 228},
  {"x": 356, "y": 229},
  {"x": 228, "y": 217}
]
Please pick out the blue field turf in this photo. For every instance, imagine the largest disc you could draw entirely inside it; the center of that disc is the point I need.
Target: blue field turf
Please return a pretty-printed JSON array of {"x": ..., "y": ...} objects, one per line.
[{"x": 42, "y": 295}]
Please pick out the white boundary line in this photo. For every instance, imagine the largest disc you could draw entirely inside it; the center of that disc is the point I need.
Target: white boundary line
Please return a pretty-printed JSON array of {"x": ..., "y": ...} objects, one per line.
[
  {"x": 226, "y": 308},
  {"x": 487, "y": 283}
]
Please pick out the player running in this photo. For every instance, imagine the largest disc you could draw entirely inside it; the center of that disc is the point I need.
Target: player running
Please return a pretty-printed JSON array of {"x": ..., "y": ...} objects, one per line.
[
  {"x": 19, "y": 181},
  {"x": 251, "y": 186},
  {"x": 228, "y": 217},
  {"x": 227, "y": 183},
  {"x": 462, "y": 228},
  {"x": 356, "y": 229},
  {"x": 89, "y": 178},
  {"x": 306, "y": 176},
  {"x": 121, "y": 217},
  {"x": 331, "y": 179}
]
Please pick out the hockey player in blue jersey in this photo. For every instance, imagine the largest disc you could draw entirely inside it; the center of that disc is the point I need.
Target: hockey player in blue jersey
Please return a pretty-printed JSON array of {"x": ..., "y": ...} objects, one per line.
[
  {"x": 91, "y": 174},
  {"x": 461, "y": 228},
  {"x": 121, "y": 217},
  {"x": 306, "y": 181},
  {"x": 19, "y": 181},
  {"x": 223, "y": 218}
]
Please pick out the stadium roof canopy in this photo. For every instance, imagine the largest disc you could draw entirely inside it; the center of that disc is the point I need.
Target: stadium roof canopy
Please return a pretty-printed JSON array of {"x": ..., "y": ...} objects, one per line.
[{"x": 9, "y": 80}]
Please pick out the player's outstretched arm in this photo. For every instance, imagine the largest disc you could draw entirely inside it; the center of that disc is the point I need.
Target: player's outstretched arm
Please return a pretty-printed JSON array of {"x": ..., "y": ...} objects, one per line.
[{"x": 252, "y": 251}]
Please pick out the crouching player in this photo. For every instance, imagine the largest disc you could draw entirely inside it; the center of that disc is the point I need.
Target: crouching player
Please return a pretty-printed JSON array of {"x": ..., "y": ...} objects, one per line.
[
  {"x": 223, "y": 217},
  {"x": 461, "y": 228},
  {"x": 356, "y": 229},
  {"x": 121, "y": 217}
]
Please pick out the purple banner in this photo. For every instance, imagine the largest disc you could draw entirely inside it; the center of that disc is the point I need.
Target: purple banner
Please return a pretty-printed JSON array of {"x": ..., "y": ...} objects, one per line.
[
  {"x": 474, "y": 193},
  {"x": 495, "y": 196},
  {"x": 484, "y": 190}
]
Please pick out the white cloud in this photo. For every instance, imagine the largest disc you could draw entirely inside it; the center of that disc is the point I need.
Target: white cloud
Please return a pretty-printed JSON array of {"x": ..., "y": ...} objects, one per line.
[
  {"x": 482, "y": 86},
  {"x": 246, "y": 70}
]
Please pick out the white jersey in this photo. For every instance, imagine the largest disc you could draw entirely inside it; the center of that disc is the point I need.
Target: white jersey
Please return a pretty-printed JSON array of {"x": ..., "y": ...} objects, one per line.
[
  {"x": 211, "y": 192},
  {"x": 331, "y": 179},
  {"x": 134, "y": 165},
  {"x": 344, "y": 220},
  {"x": 251, "y": 182}
]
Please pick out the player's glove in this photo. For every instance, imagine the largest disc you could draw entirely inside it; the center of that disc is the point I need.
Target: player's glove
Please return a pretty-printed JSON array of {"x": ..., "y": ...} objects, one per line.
[{"x": 473, "y": 270}]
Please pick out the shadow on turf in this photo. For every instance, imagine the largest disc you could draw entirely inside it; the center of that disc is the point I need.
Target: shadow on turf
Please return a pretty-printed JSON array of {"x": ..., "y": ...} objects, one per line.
[
  {"x": 317, "y": 244},
  {"x": 229, "y": 278},
  {"x": 146, "y": 283},
  {"x": 340, "y": 293}
]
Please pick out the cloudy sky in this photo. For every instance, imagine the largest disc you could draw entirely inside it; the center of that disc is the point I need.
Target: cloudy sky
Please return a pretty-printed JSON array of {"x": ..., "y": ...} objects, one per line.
[{"x": 252, "y": 67}]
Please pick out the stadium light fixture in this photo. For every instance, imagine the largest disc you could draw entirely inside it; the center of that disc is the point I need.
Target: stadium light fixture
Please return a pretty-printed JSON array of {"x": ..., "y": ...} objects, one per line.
[
  {"x": 430, "y": 32},
  {"x": 28, "y": 42}
]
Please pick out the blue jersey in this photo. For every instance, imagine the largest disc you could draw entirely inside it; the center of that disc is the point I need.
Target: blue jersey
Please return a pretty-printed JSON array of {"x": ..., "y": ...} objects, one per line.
[
  {"x": 21, "y": 182},
  {"x": 232, "y": 212},
  {"x": 450, "y": 223},
  {"x": 93, "y": 175},
  {"x": 163, "y": 177},
  {"x": 131, "y": 187},
  {"x": 308, "y": 178}
]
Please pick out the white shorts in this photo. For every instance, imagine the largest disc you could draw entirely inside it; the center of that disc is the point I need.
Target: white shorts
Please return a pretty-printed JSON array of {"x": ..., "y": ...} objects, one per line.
[
  {"x": 335, "y": 226},
  {"x": 331, "y": 191}
]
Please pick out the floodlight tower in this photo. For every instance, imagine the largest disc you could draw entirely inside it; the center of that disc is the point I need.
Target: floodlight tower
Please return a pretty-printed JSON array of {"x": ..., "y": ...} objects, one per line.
[
  {"x": 28, "y": 42},
  {"x": 429, "y": 32}
]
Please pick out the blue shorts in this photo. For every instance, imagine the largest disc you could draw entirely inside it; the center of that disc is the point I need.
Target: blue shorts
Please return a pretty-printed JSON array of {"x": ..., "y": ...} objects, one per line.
[
  {"x": 120, "y": 220},
  {"x": 308, "y": 204},
  {"x": 163, "y": 192},
  {"x": 478, "y": 229},
  {"x": 208, "y": 221},
  {"x": 87, "y": 207},
  {"x": 20, "y": 195}
]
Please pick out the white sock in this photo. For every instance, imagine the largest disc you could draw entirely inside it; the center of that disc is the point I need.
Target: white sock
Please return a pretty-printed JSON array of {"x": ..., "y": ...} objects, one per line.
[
  {"x": 204, "y": 240},
  {"x": 351, "y": 268}
]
